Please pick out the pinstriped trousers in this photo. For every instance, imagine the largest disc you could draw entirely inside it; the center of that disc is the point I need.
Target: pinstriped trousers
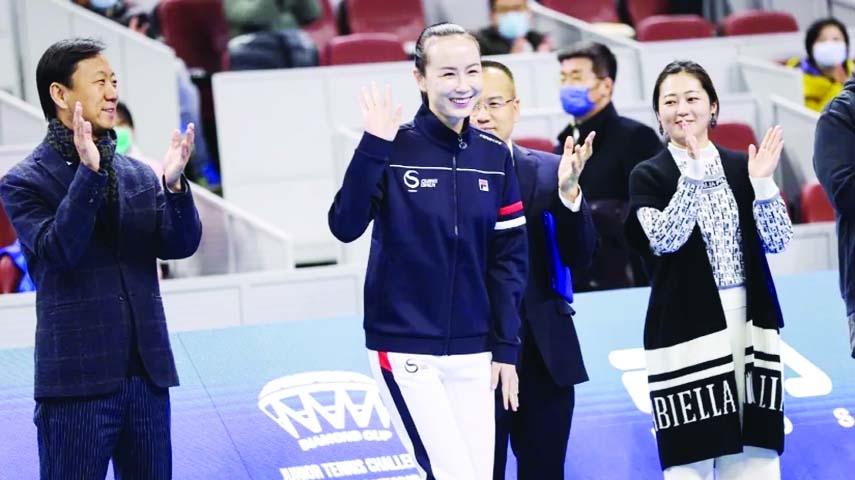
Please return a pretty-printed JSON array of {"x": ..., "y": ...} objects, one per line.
[{"x": 78, "y": 436}]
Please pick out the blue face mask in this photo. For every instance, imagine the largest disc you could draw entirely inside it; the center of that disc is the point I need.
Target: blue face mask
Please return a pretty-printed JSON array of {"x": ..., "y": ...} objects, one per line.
[
  {"x": 102, "y": 4},
  {"x": 513, "y": 25},
  {"x": 575, "y": 100}
]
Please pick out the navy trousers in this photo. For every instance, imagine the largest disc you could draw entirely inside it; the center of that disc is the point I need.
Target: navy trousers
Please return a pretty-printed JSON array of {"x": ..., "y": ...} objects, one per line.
[
  {"x": 540, "y": 429},
  {"x": 78, "y": 436}
]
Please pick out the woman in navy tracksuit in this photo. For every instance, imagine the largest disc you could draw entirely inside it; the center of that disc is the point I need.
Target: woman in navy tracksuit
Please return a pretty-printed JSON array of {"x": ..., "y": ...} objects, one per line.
[{"x": 448, "y": 259}]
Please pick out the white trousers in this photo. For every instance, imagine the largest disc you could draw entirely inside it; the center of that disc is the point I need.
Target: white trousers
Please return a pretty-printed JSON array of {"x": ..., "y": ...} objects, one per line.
[
  {"x": 753, "y": 463},
  {"x": 442, "y": 409}
]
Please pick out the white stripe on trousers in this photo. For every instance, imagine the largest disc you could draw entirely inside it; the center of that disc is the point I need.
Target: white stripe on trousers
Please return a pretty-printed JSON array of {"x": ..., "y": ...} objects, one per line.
[
  {"x": 753, "y": 463},
  {"x": 452, "y": 407}
]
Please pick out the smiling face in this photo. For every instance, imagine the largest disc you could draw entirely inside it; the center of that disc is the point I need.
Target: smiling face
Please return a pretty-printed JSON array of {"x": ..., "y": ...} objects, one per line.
[
  {"x": 94, "y": 85},
  {"x": 684, "y": 103},
  {"x": 452, "y": 79},
  {"x": 498, "y": 108}
]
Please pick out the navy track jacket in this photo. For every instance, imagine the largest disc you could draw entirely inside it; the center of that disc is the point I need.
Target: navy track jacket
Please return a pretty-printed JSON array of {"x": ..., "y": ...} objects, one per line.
[{"x": 449, "y": 258}]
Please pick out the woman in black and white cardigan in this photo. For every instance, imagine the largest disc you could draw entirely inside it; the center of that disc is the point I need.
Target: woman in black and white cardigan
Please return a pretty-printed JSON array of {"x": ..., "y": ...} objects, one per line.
[{"x": 703, "y": 219}]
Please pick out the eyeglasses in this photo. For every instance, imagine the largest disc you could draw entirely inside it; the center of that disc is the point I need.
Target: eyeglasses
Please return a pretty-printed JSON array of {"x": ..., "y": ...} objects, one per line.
[{"x": 494, "y": 104}]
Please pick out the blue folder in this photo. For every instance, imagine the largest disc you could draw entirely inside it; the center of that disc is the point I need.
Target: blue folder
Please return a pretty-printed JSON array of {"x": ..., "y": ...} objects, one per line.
[{"x": 562, "y": 281}]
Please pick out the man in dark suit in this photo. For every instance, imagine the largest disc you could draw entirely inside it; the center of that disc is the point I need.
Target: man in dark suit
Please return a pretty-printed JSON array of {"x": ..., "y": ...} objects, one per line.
[
  {"x": 92, "y": 224},
  {"x": 551, "y": 360},
  {"x": 588, "y": 72}
]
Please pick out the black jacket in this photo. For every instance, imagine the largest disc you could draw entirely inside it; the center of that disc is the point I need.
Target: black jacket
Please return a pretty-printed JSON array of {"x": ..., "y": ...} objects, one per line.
[
  {"x": 546, "y": 316},
  {"x": 834, "y": 162}
]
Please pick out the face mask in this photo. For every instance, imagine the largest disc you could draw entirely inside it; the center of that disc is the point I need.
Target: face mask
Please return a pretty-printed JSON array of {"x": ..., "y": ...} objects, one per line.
[
  {"x": 123, "y": 139},
  {"x": 513, "y": 25},
  {"x": 102, "y": 4},
  {"x": 829, "y": 54},
  {"x": 575, "y": 100}
]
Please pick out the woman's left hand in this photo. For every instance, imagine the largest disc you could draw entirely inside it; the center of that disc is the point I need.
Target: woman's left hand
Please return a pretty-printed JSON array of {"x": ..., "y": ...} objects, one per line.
[
  {"x": 763, "y": 161},
  {"x": 507, "y": 373}
]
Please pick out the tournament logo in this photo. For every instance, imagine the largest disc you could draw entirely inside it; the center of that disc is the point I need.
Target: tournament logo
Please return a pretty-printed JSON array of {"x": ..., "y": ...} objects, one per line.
[
  {"x": 340, "y": 425},
  {"x": 326, "y": 408}
]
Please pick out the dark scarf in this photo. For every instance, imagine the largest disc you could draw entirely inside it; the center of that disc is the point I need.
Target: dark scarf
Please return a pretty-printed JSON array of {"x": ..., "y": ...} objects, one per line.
[{"x": 61, "y": 138}]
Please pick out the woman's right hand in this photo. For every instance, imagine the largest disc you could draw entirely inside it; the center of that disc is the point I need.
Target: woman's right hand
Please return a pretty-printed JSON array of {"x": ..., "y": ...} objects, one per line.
[
  {"x": 694, "y": 150},
  {"x": 381, "y": 119}
]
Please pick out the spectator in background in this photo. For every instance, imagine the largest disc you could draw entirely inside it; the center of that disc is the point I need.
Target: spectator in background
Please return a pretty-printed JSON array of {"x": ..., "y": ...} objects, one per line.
[
  {"x": 127, "y": 12},
  {"x": 125, "y": 143},
  {"x": 510, "y": 30},
  {"x": 266, "y": 33},
  {"x": 248, "y": 16},
  {"x": 141, "y": 17},
  {"x": 588, "y": 72},
  {"x": 827, "y": 65}
]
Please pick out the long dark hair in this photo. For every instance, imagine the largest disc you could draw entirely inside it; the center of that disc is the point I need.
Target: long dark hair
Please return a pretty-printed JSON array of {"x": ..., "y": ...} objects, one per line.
[
  {"x": 444, "y": 29},
  {"x": 692, "y": 68}
]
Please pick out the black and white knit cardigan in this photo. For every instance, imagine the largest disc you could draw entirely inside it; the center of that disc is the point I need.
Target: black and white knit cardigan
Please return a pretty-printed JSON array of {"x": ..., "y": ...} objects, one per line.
[{"x": 691, "y": 373}]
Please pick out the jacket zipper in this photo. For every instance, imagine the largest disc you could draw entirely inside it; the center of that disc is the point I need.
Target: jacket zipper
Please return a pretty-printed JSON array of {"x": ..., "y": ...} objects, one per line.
[{"x": 462, "y": 145}]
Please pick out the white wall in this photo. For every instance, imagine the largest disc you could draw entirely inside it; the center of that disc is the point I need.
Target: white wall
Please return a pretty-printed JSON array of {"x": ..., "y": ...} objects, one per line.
[
  {"x": 224, "y": 301},
  {"x": 10, "y": 79},
  {"x": 20, "y": 122},
  {"x": 145, "y": 68}
]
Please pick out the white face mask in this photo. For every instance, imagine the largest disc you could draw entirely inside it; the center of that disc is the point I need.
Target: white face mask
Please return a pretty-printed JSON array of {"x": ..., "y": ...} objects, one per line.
[{"x": 829, "y": 54}]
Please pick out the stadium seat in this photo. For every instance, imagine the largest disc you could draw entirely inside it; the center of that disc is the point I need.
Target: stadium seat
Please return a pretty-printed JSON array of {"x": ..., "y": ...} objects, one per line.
[
  {"x": 587, "y": 10},
  {"x": 733, "y": 135},
  {"x": 198, "y": 32},
  {"x": 10, "y": 275},
  {"x": 406, "y": 19},
  {"x": 752, "y": 22},
  {"x": 640, "y": 9},
  {"x": 365, "y": 48},
  {"x": 7, "y": 233},
  {"x": 536, "y": 143},
  {"x": 815, "y": 204},
  {"x": 323, "y": 30},
  {"x": 673, "y": 27}
]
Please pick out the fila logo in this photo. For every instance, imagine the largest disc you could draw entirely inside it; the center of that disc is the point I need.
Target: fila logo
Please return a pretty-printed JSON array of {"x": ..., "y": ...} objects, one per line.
[
  {"x": 411, "y": 180},
  {"x": 483, "y": 185}
]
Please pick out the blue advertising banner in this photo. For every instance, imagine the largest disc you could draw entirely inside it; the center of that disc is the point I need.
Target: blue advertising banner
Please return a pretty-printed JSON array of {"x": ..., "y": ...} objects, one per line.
[{"x": 295, "y": 401}]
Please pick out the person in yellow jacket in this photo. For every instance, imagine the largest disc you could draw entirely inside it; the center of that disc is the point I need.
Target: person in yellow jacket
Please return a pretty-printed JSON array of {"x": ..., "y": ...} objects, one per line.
[{"x": 827, "y": 65}]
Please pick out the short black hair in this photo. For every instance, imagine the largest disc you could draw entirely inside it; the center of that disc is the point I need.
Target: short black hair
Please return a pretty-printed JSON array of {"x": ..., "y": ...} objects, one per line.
[
  {"x": 692, "y": 68},
  {"x": 58, "y": 64},
  {"x": 124, "y": 114},
  {"x": 498, "y": 66},
  {"x": 813, "y": 33},
  {"x": 603, "y": 60}
]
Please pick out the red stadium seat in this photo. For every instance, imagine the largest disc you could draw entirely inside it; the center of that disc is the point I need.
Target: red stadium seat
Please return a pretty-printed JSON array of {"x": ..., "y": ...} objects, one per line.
[
  {"x": 536, "y": 143},
  {"x": 587, "y": 10},
  {"x": 815, "y": 204},
  {"x": 198, "y": 32},
  {"x": 673, "y": 27},
  {"x": 641, "y": 9},
  {"x": 323, "y": 29},
  {"x": 751, "y": 22},
  {"x": 7, "y": 233},
  {"x": 406, "y": 19},
  {"x": 733, "y": 135},
  {"x": 10, "y": 275},
  {"x": 365, "y": 48}
]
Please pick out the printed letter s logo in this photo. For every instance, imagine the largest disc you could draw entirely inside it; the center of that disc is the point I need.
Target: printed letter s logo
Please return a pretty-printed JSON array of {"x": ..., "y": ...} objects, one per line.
[{"x": 411, "y": 179}]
